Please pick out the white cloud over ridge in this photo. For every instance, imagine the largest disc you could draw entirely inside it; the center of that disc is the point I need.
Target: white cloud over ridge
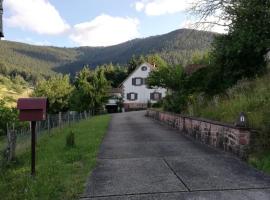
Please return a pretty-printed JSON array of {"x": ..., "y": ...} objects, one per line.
[
  {"x": 162, "y": 7},
  {"x": 105, "y": 30},
  {"x": 35, "y": 15}
]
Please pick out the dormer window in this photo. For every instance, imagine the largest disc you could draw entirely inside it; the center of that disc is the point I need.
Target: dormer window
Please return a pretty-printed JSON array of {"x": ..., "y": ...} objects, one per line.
[
  {"x": 144, "y": 68},
  {"x": 137, "y": 81}
]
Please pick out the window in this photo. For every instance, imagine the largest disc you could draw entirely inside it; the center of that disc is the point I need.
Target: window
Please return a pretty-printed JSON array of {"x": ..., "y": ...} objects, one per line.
[
  {"x": 137, "y": 81},
  {"x": 144, "y": 68},
  {"x": 156, "y": 96},
  {"x": 132, "y": 96}
]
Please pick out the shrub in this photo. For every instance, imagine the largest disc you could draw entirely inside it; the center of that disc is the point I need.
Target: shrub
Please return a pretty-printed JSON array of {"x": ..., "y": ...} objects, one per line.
[{"x": 70, "y": 139}]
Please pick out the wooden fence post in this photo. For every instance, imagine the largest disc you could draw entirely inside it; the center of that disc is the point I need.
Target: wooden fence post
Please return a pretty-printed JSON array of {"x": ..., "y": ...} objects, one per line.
[
  {"x": 68, "y": 119},
  {"x": 59, "y": 119},
  {"x": 11, "y": 134}
]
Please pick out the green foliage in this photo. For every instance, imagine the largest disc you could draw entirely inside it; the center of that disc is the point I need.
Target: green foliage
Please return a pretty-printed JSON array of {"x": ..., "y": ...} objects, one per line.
[
  {"x": 8, "y": 116},
  {"x": 70, "y": 139},
  {"x": 241, "y": 53},
  {"x": 134, "y": 62},
  {"x": 61, "y": 172},
  {"x": 58, "y": 90},
  {"x": 173, "y": 79},
  {"x": 91, "y": 89},
  {"x": 114, "y": 74},
  {"x": 249, "y": 96},
  {"x": 34, "y": 62}
]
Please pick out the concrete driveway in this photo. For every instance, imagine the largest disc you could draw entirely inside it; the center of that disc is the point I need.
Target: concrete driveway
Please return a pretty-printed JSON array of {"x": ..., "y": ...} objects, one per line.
[{"x": 142, "y": 159}]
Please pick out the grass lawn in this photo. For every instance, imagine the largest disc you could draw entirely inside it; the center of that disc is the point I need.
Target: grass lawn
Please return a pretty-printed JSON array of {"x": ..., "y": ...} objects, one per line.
[
  {"x": 61, "y": 171},
  {"x": 261, "y": 161}
]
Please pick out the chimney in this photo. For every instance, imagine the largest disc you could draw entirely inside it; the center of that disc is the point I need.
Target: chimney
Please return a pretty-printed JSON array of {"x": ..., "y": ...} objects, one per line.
[{"x": 1, "y": 19}]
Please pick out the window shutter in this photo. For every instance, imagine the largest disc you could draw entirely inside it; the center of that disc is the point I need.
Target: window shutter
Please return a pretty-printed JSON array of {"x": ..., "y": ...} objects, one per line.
[
  {"x": 152, "y": 96},
  {"x": 128, "y": 96},
  {"x": 144, "y": 81},
  {"x": 136, "y": 96},
  {"x": 133, "y": 81},
  {"x": 160, "y": 96}
]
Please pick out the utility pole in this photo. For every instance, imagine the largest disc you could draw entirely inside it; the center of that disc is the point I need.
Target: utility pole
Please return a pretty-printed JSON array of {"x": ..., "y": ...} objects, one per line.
[{"x": 1, "y": 20}]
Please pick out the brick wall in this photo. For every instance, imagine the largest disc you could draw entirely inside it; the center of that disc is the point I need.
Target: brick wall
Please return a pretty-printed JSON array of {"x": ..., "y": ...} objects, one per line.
[{"x": 217, "y": 134}]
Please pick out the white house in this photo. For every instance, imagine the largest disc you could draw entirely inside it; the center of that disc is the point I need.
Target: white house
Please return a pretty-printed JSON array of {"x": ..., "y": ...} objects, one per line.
[{"x": 135, "y": 92}]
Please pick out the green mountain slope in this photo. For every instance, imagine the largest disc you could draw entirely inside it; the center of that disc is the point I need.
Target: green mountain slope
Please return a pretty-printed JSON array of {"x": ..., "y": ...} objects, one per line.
[{"x": 175, "y": 47}]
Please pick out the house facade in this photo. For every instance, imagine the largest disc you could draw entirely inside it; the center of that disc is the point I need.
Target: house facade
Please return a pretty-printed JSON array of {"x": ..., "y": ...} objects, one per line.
[{"x": 136, "y": 94}]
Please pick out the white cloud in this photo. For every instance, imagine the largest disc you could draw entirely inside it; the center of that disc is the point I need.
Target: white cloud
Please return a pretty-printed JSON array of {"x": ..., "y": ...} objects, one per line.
[
  {"x": 162, "y": 7},
  {"x": 105, "y": 30},
  {"x": 139, "y": 6},
  {"x": 35, "y": 15}
]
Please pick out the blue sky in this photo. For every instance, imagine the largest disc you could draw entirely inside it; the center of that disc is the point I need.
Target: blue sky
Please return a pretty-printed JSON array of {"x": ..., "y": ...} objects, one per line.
[{"x": 72, "y": 23}]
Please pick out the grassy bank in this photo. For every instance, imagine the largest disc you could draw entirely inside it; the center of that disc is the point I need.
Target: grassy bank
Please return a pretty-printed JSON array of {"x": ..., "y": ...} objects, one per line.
[
  {"x": 12, "y": 89},
  {"x": 251, "y": 97},
  {"x": 61, "y": 171}
]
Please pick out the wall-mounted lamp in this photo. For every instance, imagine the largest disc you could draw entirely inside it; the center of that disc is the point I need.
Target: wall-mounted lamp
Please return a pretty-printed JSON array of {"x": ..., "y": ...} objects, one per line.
[{"x": 242, "y": 121}]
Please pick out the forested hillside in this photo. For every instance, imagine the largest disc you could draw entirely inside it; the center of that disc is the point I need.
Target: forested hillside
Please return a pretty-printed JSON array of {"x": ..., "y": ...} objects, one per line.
[
  {"x": 32, "y": 62},
  {"x": 28, "y": 60}
]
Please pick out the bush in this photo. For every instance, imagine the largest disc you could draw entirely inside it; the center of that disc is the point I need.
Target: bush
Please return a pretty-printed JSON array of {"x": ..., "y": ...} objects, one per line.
[
  {"x": 263, "y": 137},
  {"x": 158, "y": 104},
  {"x": 70, "y": 139}
]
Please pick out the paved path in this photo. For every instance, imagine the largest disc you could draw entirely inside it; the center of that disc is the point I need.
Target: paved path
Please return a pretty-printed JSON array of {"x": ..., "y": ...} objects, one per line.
[{"x": 141, "y": 160}]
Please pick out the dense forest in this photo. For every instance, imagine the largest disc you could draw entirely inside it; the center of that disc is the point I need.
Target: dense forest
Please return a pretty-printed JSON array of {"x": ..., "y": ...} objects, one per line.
[{"x": 33, "y": 62}]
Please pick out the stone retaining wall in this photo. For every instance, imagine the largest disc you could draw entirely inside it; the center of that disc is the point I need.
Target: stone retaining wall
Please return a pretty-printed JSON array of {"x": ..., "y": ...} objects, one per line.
[{"x": 217, "y": 134}]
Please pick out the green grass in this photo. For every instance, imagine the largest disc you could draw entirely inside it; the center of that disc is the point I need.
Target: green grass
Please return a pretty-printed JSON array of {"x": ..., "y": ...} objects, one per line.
[
  {"x": 251, "y": 97},
  {"x": 261, "y": 161},
  {"x": 61, "y": 171},
  {"x": 12, "y": 89}
]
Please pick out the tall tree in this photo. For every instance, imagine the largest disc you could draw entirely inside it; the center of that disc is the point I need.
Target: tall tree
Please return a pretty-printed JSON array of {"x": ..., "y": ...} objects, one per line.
[
  {"x": 240, "y": 53},
  {"x": 91, "y": 89},
  {"x": 58, "y": 91}
]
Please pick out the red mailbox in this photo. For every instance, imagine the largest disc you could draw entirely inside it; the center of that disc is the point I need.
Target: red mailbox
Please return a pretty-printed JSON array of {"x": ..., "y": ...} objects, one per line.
[{"x": 32, "y": 109}]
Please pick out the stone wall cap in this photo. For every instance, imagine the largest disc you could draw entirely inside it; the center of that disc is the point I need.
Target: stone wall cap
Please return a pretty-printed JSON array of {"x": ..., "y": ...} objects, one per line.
[{"x": 203, "y": 120}]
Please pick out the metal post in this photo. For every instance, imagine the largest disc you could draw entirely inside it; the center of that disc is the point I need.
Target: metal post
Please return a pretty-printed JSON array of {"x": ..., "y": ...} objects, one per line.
[{"x": 33, "y": 148}]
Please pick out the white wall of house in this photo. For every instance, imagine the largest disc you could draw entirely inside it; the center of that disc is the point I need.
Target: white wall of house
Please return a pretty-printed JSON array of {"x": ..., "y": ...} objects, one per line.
[{"x": 143, "y": 93}]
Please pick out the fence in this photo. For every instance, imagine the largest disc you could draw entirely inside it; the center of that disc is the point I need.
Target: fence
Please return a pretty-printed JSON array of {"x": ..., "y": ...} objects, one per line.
[{"x": 20, "y": 137}]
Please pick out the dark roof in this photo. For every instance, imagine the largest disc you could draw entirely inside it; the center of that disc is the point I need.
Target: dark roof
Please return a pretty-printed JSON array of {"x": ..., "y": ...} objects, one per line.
[
  {"x": 191, "y": 68},
  {"x": 115, "y": 90}
]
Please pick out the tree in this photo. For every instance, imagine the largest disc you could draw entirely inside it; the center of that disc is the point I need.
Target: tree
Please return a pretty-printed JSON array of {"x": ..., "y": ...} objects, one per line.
[
  {"x": 240, "y": 53},
  {"x": 134, "y": 62},
  {"x": 58, "y": 91},
  {"x": 8, "y": 116},
  {"x": 155, "y": 60},
  {"x": 173, "y": 79},
  {"x": 91, "y": 90},
  {"x": 115, "y": 74}
]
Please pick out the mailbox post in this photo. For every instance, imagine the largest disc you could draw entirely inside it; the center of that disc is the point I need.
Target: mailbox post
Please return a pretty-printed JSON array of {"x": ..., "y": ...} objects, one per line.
[{"x": 33, "y": 110}]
